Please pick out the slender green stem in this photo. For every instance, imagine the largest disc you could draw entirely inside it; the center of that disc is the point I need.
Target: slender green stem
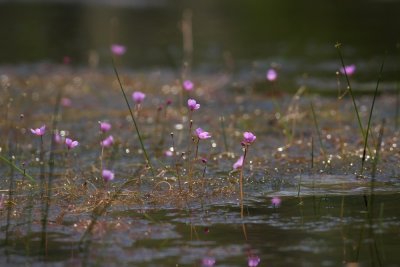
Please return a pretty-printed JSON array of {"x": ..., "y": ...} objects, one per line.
[
  {"x": 318, "y": 131},
  {"x": 241, "y": 183},
  {"x": 352, "y": 97},
  {"x": 56, "y": 114},
  {"x": 134, "y": 120},
  {"x": 15, "y": 167},
  {"x": 370, "y": 116}
]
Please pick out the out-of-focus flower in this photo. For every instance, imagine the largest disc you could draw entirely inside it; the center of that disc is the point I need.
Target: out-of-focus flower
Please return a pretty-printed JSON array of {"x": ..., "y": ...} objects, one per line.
[
  {"x": 104, "y": 126},
  {"x": 239, "y": 163},
  {"x": 349, "y": 69},
  {"x": 107, "y": 175},
  {"x": 66, "y": 102},
  {"x": 39, "y": 131},
  {"x": 271, "y": 75},
  {"x": 276, "y": 201},
  {"x": 188, "y": 85},
  {"x": 138, "y": 97},
  {"x": 118, "y": 49},
  {"x": 109, "y": 141},
  {"x": 208, "y": 262},
  {"x": 253, "y": 261},
  {"x": 248, "y": 138},
  {"x": 201, "y": 134},
  {"x": 71, "y": 143},
  {"x": 193, "y": 105}
]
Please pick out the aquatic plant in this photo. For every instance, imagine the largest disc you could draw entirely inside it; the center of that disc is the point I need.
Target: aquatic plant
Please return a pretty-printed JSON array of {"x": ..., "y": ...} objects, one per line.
[
  {"x": 118, "y": 49},
  {"x": 39, "y": 131},
  {"x": 107, "y": 175},
  {"x": 253, "y": 261},
  {"x": 248, "y": 139},
  {"x": 348, "y": 69},
  {"x": 109, "y": 141},
  {"x": 271, "y": 75},
  {"x": 193, "y": 105},
  {"x": 138, "y": 97},
  {"x": 104, "y": 126},
  {"x": 71, "y": 143},
  {"x": 276, "y": 202},
  {"x": 188, "y": 85}
]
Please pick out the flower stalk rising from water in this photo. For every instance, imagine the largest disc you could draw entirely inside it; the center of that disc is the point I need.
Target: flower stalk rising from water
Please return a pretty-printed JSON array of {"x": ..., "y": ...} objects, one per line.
[{"x": 248, "y": 139}]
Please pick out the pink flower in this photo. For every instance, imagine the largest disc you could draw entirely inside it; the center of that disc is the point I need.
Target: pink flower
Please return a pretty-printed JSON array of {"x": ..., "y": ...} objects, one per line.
[
  {"x": 109, "y": 141},
  {"x": 70, "y": 143},
  {"x": 105, "y": 126},
  {"x": 118, "y": 49},
  {"x": 39, "y": 131},
  {"x": 208, "y": 262},
  {"x": 168, "y": 153},
  {"x": 66, "y": 102},
  {"x": 188, "y": 85},
  {"x": 253, "y": 261},
  {"x": 138, "y": 97},
  {"x": 248, "y": 138},
  {"x": 276, "y": 201},
  {"x": 192, "y": 104},
  {"x": 107, "y": 175},
  {"x": 272, "y": 75},
  {"x": 239, "y": 163},
  {"x": 349, "y": 69},
  {"x": 202, "y": 134}
]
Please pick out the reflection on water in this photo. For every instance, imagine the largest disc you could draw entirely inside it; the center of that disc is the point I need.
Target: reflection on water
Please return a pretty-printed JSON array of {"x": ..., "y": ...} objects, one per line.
[{"x": 302, "y": 231}]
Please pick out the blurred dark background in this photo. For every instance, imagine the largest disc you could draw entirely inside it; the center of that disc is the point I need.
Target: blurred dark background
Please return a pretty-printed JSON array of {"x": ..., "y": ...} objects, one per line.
[{"x": 33, "y": 31}]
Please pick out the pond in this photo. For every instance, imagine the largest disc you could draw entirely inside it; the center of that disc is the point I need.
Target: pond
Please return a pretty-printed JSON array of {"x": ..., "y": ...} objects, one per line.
[{"x": 114, "y": 181}]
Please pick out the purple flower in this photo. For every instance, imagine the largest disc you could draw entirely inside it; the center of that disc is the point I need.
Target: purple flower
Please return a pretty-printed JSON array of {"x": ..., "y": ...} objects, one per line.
[
  {"x": 70, "y": 143},
  {"x": 202, "y": 134},
  {"x": 192, "y": 104},
  {"x": 39, "y": 131},
  {"x": 208, "y": 262},
  {"x": 272, "y": 75},
  {"x": 253, "y": 261},
  {"x": 349, "y": 69},
  {"x": 188, "y": 85},
  {"x": 118, "y": 49},
  {"x": 248, "y": 138},
  {"x": 107, "y": 175},
  {"x": 276, "y": 201},
  {"x": 109, "y": 141},
  {"x": 239, "y": 163},
  {"x": 58, "y": 138},
  {"x": 168, "y": 153},
  {"x": 138, "y": 97},
  {"x": 105, "y": 126}
]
